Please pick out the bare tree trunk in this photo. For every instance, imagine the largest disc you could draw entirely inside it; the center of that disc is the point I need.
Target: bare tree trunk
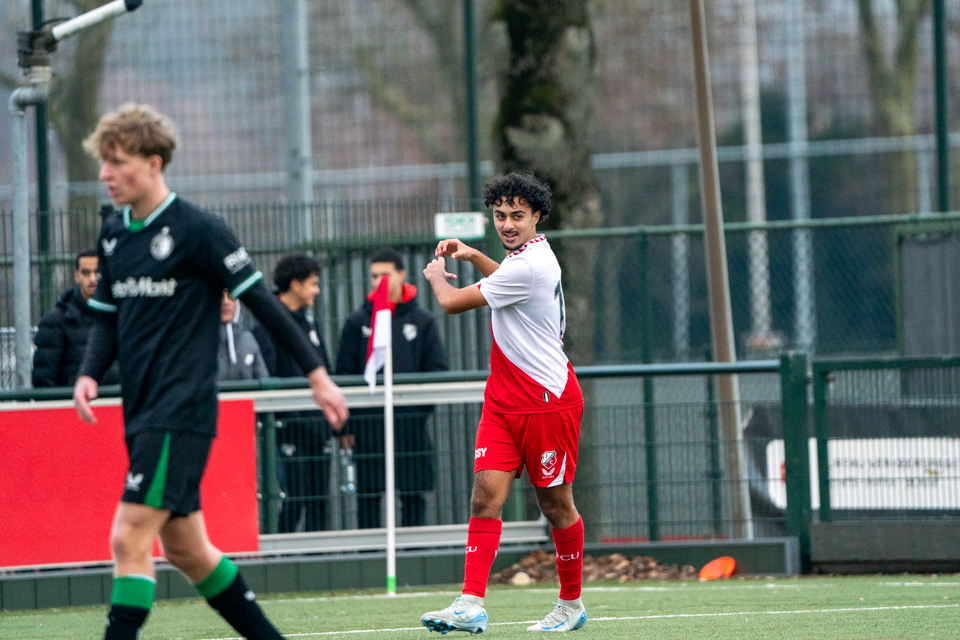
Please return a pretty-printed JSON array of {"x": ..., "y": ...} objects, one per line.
[
  {"x": 543, "y": 126},
  {"x": 892, "y": 84}
]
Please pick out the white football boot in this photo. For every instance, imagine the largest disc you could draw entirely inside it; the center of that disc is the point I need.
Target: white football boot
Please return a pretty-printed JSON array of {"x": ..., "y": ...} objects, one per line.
[
  {"x": 465, "y": 614},
  {"x": 562, "y": 618}
]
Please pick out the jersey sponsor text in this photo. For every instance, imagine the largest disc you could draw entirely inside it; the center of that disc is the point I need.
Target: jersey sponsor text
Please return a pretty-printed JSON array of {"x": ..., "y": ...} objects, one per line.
[{"x": 144, "y": 287}]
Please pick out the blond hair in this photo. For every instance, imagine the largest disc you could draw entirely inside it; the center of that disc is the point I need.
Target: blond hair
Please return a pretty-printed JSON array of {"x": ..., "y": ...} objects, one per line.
[{"x": 135, "y": 128}]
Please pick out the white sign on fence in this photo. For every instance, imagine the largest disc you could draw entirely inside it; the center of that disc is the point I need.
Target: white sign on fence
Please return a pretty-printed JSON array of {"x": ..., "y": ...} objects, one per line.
[
  {"x": 878, "y": 473},
  {"x": 465, "y": 226}
]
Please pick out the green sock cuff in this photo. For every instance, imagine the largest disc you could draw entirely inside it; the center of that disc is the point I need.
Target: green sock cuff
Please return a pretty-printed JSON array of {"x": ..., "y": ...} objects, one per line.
[
  {"x": 219, "y": 579},
  {"x": 134, "y": 591}
]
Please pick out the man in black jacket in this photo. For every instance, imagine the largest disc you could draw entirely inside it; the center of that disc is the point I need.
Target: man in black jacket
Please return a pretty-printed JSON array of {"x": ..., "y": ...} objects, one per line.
[
  {"x": 304, "y": 468},
  {"x": 416, "y": 348},
  {"x": 62, "y": 335}
]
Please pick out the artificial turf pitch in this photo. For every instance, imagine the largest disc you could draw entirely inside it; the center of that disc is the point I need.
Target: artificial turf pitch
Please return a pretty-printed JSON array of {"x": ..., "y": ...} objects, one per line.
[{"x": 848, "y": 608}]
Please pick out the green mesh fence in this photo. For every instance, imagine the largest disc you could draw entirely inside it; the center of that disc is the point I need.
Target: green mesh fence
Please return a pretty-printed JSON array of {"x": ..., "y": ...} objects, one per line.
[
  {"x": 886, "y": 439},
  {"x": 386, "y": 98},
  {"x": 829, "y": 287},
  {"x": 652, "y": 465}
]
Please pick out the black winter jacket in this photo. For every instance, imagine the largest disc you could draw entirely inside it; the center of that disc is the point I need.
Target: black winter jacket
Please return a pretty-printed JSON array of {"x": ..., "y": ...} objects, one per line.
[
  {"x": 61, "y": 342},
  {"x": 416, "y": 340},
  {"x": 279, "y": 362}
]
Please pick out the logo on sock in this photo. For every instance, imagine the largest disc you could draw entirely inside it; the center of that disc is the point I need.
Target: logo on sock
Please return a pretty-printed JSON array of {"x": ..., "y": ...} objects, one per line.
[
  {"x": 568, "y": 558},
  {"x": 250, "y": 596},
  {"x": 472, "y": 549}
]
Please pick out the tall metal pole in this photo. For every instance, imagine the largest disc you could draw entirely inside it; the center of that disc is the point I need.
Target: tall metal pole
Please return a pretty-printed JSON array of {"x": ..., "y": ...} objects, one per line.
[
  {"x": 721, "y": 319},
  {"x": 43, "y": 184},
  {"x": 470, "y": 78},
  {"x": 940, "y": 81},
  {"x": 758, "y": 254},
  {"x": 296, "y": 111},
  {"x": 21, "y": 237},
  {"x": 804, "y": 316},
  {"x": 33, "y": 56}
]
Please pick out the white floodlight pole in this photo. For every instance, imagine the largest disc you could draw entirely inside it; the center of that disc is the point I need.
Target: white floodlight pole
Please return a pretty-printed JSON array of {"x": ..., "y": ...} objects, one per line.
[
  {"x": 34, "y": 48},
  {"x": 95, "y": 16},
  {"x": 388, "y": 455}
]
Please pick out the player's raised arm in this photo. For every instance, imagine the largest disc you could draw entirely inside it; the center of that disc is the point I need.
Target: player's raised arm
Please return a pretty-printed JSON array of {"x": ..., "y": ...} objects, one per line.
[
  {"x": 457, "y": 250},
  {"x": 451, "y": 299}
]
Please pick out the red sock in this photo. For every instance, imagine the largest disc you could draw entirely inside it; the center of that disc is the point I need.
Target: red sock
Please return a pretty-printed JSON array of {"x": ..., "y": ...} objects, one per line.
[
  {"x": 483, "y": 540},
  {"x": 569, "y": 543}
]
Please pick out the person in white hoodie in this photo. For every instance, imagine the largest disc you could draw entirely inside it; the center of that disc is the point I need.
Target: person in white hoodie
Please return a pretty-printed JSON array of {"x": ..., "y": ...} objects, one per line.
[{"x": 238, "y": 357}]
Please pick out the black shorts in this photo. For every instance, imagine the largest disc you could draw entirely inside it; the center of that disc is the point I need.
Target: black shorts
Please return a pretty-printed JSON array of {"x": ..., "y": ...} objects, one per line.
[{"x": 165, "y": 470}]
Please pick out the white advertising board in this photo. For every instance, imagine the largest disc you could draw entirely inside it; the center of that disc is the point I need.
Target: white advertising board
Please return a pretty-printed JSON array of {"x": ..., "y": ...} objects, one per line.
[
  {"x": 464, "y": 226},
  {"x": 878, "y": 473}
]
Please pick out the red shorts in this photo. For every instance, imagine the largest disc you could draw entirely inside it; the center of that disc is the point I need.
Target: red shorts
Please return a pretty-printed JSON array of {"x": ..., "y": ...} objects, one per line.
[{"x": 545, "y": 443}]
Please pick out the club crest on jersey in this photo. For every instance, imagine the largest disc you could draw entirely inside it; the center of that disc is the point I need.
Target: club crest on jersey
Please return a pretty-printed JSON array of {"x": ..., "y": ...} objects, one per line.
[
  {"x": 109, "y": 246},
  {"x": 162, "y": 244},
  {"x": 410, "y": 332},
  {"x": 548, "y": 460}
]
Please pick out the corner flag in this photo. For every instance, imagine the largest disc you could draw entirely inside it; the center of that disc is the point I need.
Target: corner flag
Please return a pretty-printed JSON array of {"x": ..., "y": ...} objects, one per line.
[{"x": 381, "y": 333}]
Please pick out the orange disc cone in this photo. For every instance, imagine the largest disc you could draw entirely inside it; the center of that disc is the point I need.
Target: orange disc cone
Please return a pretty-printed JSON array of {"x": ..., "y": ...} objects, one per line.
[{"x": 720, "y": 568}]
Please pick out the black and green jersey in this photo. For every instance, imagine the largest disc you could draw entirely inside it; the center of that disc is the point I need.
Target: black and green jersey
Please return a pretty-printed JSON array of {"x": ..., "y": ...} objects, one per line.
[{"x": 163, "y": 279}]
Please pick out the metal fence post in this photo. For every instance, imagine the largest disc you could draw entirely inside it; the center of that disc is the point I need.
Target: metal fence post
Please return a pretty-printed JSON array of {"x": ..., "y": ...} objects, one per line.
[
  {"x": 271, "y": 486},
  {"x": 820, "y": 378},
  {"x": 716, "y": 472},
  {"x": 796, "y": 453},
  {"x": 649, "y": 419}
]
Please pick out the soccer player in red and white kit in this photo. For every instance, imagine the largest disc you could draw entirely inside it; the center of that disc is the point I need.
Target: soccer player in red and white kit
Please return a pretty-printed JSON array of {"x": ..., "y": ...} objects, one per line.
[{"x": 532, "y": 404}]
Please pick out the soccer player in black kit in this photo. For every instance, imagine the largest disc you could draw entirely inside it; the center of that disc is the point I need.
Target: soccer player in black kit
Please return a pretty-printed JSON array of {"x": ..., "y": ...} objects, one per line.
[{"x": 164, "y": 266}]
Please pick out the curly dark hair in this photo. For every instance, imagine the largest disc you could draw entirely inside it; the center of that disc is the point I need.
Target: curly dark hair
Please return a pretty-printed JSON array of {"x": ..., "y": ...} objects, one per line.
[
  {"x": 293, "y": 267},
  {"x": 525, "y": 187}
]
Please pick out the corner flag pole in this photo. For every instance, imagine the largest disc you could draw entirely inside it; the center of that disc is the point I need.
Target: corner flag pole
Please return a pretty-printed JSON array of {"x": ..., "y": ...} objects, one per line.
[{"x": 388, "y": 457}]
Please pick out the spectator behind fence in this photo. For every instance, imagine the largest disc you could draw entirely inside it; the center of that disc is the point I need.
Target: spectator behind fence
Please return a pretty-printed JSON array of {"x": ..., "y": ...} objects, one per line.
[
  {"x": 239, "y": 356},
  {"x": 62, "y": 335},
  {"x": 304, "y": 468},
  {"x": 416, "y": 348}
]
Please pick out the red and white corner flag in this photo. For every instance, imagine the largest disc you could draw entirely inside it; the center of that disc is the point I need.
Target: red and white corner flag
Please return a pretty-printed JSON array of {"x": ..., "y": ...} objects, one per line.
[{"x": 381, "y": 333}]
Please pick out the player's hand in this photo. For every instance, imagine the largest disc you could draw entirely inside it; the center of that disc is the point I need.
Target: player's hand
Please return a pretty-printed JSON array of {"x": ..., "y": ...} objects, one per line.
[
  {"x": 85, "y": 390},
  {"x": 455, "y": 249},
  {"x": 437, "y": 268},
  {"x": 329, "y": 398},
  {"x": 347, "y": 442}
]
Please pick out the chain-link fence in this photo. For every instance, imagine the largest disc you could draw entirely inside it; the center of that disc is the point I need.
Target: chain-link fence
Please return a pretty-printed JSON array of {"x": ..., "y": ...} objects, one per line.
[
  {"x": 653, "y": 463},
  {"x": 386, "y": 98},
  {"x": 827, "y": 287},
  {"x": 886, "y": 439}
]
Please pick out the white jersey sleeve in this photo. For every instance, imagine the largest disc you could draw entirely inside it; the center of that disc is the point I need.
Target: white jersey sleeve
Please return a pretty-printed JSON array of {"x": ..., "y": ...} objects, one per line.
[{"x": 511, "y": 283}]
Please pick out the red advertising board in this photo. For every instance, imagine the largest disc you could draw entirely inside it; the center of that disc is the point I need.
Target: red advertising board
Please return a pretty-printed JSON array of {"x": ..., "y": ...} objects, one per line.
[{"x": 60, "y": 480}]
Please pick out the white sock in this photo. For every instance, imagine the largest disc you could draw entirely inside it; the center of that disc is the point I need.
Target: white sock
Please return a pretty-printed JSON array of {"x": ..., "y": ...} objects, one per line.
[
  {"x": 573, "y": 604},
  {"x": 477, "y": 600}
]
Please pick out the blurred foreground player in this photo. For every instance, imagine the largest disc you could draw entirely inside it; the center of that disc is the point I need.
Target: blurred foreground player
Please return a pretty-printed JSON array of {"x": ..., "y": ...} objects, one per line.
[
  {"x": 532, "y": 404},
  {"x": 164, "y": 266}
]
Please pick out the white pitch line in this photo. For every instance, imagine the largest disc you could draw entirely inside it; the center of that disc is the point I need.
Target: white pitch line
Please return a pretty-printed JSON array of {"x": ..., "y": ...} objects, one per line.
[
  {"x": 624, "y": 618},
  {"x": 920, "y": 584},
  {"x": 428, "y": 594}
]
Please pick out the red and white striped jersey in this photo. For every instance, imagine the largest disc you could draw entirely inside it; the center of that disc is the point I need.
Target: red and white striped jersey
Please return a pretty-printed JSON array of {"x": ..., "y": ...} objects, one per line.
[{"x": 529, "y": 373}]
